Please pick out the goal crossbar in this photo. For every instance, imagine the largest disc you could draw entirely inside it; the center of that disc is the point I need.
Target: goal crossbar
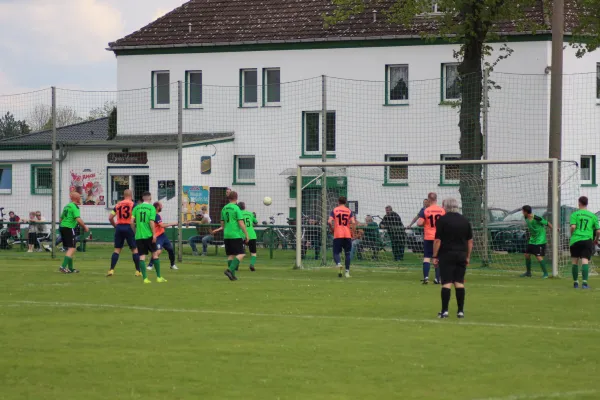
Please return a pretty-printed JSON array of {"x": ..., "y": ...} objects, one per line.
[{"x": 552, "y": 163}]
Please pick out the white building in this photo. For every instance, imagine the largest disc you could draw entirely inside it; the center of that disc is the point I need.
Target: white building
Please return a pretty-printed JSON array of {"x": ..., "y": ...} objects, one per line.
[{"x": 253, "y": 70}]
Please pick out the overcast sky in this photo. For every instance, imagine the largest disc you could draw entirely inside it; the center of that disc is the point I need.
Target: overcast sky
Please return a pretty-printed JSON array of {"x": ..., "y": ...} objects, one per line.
[{"x": 62, "y": 43}]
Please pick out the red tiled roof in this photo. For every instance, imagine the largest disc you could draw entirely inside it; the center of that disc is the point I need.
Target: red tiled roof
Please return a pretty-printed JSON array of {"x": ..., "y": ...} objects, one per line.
[{"x": 215, "y": 22}]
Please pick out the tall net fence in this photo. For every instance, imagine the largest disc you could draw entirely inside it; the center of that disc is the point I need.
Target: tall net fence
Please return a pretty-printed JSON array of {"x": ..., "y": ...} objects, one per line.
[
  {"x": 188, "y": 146},
  {"x": 382, "y": 239}
]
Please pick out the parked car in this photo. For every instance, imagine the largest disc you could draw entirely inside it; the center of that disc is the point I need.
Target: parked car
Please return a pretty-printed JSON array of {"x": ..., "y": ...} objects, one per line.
[{"x": 511, "y": 234}]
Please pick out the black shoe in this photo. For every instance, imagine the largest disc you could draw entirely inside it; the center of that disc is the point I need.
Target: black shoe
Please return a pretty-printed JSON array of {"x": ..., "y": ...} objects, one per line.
[
  {"x": 63, "y": 270},
  {"x": 436, "y": 282},
  {"x": 252, "y": 268},
  {"x": 425, "y": 281},
  {"x": 460, "y": 315},
  {"x": 443, "y": 314},
  {"x": 75, "y": 271},
  {"x": 230, "y": 275}
]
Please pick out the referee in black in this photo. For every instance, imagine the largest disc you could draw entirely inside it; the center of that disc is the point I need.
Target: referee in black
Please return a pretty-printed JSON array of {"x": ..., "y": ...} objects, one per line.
[{"x": 452, "y": 251}]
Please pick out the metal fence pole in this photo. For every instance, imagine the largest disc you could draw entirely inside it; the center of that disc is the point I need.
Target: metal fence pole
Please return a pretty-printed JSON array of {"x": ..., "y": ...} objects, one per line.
[
  {"x": 555, "y": 217},
  {"x": 179, "y": 170},
  {"x": 55, "y": 193},
  {"x": 485, "y": 109},
  {"x": 324, "y": 227},
  {"x": 298, "y": 218}
]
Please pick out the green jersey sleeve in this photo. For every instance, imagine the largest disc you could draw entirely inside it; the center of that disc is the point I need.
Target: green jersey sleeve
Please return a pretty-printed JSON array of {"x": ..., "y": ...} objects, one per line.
[
  {"x": 76, "y": 213},
  {"x": 573, "y": 219}
]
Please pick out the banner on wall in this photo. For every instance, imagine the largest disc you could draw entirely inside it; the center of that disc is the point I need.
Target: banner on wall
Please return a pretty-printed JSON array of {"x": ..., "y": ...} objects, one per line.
[
  {"x": 194, "y": 197},
  {"x": 89, "y": 184}
]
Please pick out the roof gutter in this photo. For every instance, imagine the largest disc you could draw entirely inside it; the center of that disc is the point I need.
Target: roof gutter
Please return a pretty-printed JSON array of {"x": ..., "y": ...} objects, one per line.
[{"x": 315, "y": 40}]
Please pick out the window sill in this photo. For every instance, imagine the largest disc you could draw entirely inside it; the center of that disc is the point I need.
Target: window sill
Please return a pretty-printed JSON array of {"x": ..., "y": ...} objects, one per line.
[
  {"x": 41, "y": 194},
  {"x": 248, "y": 107},
  {"x": 396, "y": 105},
  {"x": 451, "y": 103},
  {"x": 449, "y": 184},
  {"x": 244, "y": 183},
  {"x": 395, "y": 184},
  {"x": 316, "y": 156},
  {"x": 589, "y": 185},
  {"x": 272, "y": 106},
  {"x": 161, "y": 108},
  {"x": 5, "y": 193},
  {"x": 194, "y": 108}
]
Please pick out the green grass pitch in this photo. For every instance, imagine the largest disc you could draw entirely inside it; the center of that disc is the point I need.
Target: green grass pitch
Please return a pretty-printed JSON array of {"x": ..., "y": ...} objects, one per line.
[{"x": 280, "y": 333}]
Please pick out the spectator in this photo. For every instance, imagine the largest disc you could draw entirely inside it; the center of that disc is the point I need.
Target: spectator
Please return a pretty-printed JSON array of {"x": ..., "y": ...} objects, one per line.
[
  {"x": 393, "y": 224},
  {"x": 31, "y": 232},
  {"x": 14, "y": 226},
  {"x": 42, "y": 230},
  {"x": 357, "y": 240},
  {"x": 312, "y": 238},
  {"x": 204, "y": 233}
]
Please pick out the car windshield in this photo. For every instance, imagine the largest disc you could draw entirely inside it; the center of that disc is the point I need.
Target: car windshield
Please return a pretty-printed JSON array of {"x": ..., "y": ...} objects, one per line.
[
  {"x": 518, "y": 215},
  {"x": 497, "y": 215}
]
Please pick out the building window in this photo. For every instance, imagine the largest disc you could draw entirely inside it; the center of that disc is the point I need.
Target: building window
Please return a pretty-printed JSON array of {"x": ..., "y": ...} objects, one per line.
[
  {"x": 598, "y": 81},
  {"x": 193, "y": 81},
  {"x": 588, "y": 170},
  {"x": 271, "y": 86},
  {"x": 136, "y": 179},
  {"x": 396, "y": 175},
  {"x": 161, "y": 89},
  {"x": 41, "y": 179},
  {"x": 450, "y": 174},
  {"x": 5, "y": 179},
  {"x": 311, "y": 137},
  {"x": 396, "y": 80},
  {"x": 244, "y": 170},
  {"x": 248, "y": 88},
  {"x": 450, "y": 82}
]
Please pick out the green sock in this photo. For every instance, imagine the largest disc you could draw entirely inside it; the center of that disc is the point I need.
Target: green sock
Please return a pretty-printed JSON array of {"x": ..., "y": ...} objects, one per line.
[
  {"x": 528, "y": 265},
  {"x": 575, "y": 271},
  {"x": 585, "y": 269},
  {"x": 252, "y": 260},
  {"x": 143, "y": 268},
  {"x": 543, "y": 265},
  {"x": 65, "y": 263},
  {"x": 157, "y": 267},
  {"x": 229, "y": 263},
  {"x": 71, "y": 264},
  {"x": 234, "y": 264}
]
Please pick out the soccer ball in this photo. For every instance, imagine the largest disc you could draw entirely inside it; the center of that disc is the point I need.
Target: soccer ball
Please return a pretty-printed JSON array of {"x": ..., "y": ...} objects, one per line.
[{"x": 267, "y": 201}]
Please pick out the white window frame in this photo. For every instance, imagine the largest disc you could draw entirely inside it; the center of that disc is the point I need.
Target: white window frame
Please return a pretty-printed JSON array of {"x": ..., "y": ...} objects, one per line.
[
  {"x": 443, "y": 180},
  {"x": 243, "y": 102},
  {"x": 123, "y": 171},
  {"x": 266, "y": 84},
  {"x": 320, "y": 135},
  {"x": 445, "y": 81},
  {"x": 239, "y": 180},
  {"x": 388, "y": 176},
  {"x": 592, "y": 170},
  {"x": 389, "y": 84},
  {"x": 155, "y": 89},
  {"x": 188, "y": 75},
  {"x": 5, "y": 167}
]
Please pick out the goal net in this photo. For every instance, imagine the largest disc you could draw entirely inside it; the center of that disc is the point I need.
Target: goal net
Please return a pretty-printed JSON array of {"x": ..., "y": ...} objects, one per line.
[{"x": 386, "y": 198}]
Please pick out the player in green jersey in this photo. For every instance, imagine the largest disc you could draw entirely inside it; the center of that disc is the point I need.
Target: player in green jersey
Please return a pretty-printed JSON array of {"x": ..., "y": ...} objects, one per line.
[
  {"x": 69, "y": 219},
  {"x": 143, "y": 224},
  {"x": 537, "y": 240},
  {"x": 234, "y": 234},
  {"x": 250, "y": 221},
  {"x": 584, "y": 230}
]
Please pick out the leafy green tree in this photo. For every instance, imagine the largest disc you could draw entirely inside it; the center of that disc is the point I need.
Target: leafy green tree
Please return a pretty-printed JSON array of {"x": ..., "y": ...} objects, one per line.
[
  {"x": 112, "y": 124},
  {"x": 103, "y": 111},
  {"x": 11, "y": 127},
  {"x": 586, "y": 32}
]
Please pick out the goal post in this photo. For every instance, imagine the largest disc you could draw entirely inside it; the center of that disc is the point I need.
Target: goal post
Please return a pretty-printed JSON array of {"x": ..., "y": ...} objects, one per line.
[{"x": 491, "y": 201}]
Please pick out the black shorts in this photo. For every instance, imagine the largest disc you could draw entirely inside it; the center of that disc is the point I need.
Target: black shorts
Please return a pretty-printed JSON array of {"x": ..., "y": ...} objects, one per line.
[
  {"x": 68, "y": 237},
  {"x": 538, "y": 250},
  {"x": 32, "y": 238},
  {"x": 145, "y": 246},
  {"x": 252, "y": 246},
  {"x": 583, "y": 249},
  {"x": 453, "y": 267},
  {"x": 234, "y": 247},
  {"x": 344, "y": 244}
]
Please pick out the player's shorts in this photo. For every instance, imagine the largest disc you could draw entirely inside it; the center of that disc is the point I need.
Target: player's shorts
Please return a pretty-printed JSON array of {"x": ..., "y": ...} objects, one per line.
[
  {"x": 234, "y": 247},
  {"x": 163, "y": 242},
  {"x": 538, "y": 250},
  {"x": 428, "y": 248},
  {"x": 340, "y": 244},
  {"x": 582, "y": 249},
  {"x": 145, "y": 246},
  {"x": 252, "y": 246},
  {"x": 453, "y": 267},
  {"x": 124, "y": 233},
  {"x": 68, "y": 237}
]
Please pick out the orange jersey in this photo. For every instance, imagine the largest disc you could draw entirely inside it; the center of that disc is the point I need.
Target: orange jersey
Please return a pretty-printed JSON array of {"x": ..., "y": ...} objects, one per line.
[
  {"x": 430, "y": 217},
  {"x": 158, "y": 230},
  {"x": 123, "y": 211},
  {"x": 342, "y": 218}
]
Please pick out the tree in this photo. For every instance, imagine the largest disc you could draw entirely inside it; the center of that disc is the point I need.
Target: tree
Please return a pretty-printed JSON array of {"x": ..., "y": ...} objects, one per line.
[
  {"x": 40, "y": 118},
  {"x": 10, "y": 127},
  {"x": 586, "y": 32},
  {"x": 470, "y": 24},
  {"x": 104, "y": 111},
  {"x": 112, "y": 124}
]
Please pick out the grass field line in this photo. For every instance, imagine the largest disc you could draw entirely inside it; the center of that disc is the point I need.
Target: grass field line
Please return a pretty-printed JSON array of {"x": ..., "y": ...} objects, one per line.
[
  {"x": 303, "y": 316},
  {"x": 553, "y": 395}
]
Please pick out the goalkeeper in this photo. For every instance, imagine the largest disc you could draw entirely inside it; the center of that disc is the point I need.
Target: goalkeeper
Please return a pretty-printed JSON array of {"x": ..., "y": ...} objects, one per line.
[{"x": 537, "y": 241}]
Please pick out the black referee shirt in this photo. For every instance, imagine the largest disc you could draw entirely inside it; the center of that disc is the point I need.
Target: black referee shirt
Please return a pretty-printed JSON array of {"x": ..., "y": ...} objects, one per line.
[{"x": 454, "y": 231}]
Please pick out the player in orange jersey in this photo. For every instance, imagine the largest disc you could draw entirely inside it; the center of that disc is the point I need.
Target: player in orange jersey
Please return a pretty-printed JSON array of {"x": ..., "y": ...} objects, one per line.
[
  {"x": 120, "y": 218},
  {"x": 428, "y": 219},
  {"x": 342, "y": 221}
]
